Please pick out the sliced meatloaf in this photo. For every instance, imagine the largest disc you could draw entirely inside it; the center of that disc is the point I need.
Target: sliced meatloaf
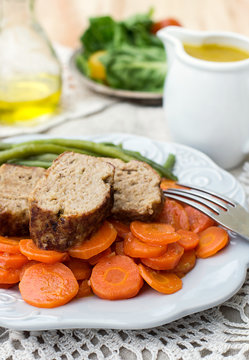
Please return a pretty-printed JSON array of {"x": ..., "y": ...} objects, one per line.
[
  {"x": 16, "y": 183},
  {"x": 71, "y": 201},
  {"x": 137, "y": 193}
]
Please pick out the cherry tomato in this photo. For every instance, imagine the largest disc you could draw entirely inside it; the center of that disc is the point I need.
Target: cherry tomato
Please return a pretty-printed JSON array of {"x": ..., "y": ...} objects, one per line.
[{"x": 163, "y": 23}]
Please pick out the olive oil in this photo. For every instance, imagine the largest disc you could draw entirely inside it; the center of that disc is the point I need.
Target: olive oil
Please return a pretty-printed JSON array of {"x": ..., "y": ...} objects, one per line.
[
  {"x": 216, "y": 52},
  {"x": 23, "y": 99}
]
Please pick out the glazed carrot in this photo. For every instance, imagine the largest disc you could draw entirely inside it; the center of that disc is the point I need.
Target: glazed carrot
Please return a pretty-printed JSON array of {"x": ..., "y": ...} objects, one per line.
[
  {"x": 26, "y": 266},
  {"x": 121, "y": 228},
  {"x": 189, "y": 240},
  {"x": 80, "y": 268},
  {"x": 99, "y": 242},
  {"x": 169, "y": 184},
  {"x": 95, "y": 259},
  {"x": 9, "y": 245},
  {"x": 174, "y": 214},
  {"x": 116, "y": 277},
  {"x": 9, "y": 276},
  {"x": 167, "y": 261},
  {"x": 197, "y": 220},
  {"x": 154, "y": 233},
  {"x": 48, "y": 285},
  {"x": 29, "y": 249},
  {"x": 211, "y": 241},
  {"x": 186, "y": 263},
  {"x": 119, "y": 247},
  {"x": 13, "y": 261},
  {"x": 164, "y": 282},
  {"x": 84, "y": 289},
  {"x": 135, "y": 248}
]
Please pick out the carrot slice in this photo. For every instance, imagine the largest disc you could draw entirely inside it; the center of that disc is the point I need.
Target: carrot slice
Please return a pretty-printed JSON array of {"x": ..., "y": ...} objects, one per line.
[
  {"x": 119, "y": 247},
  {"x": 121, "y": 228},
  {"x": 26, "y": 266},
  {"x": 99, "y": 242},
  {"x": 9, "y": 276},
  {"x": 189, "y": 240},
  {"x": 84, "y": 289},
  {"x": 164, "y": 282},
  {"x": 29, "y": 249},
  {"x": 186, "y": 263},
  {"x": 116, "y": 277},
  {"x": 154, "y": 233},
  {"x": 9, "y": 245},
  {"x": 211, "y": 241},
  {"x": 169, "y": 184},
  {"x": 48, "y": 285},
  {"x": 198, "y": 221},
  {"x": 13, "y": 261},
  {"x": 135, "y": 248},
  {"x": 80, "y": 268},
  {"x": 174, "y": 214},
  {"x": 95, "y": 259},
  {"x": 167, "y": 261}
]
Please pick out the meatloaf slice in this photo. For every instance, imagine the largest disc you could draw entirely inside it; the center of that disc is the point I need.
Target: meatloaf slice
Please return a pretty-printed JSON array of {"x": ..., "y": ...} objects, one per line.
[
  {"x": 137, "y": 193},
  {"x": 16, "y": 183},
  {"x": 71, "y": 201}
]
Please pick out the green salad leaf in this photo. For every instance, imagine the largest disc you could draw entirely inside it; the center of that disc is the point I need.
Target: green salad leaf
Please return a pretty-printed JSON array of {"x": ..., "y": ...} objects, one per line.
[
  {"x": 132, "y": 68},
  {"x": 135, "y": 58},
  {"x": 138, "y": 29},
  {"x": 99, "y": 35}
]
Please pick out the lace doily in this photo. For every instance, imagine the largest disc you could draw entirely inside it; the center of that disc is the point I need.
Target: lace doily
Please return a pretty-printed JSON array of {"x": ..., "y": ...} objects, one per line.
[
  {"x": 219, "y": 333},
  {"x": 76, "y": 102}
]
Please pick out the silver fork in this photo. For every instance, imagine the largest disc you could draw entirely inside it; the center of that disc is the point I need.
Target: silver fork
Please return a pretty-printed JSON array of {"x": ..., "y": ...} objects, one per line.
[{"x": 227, "y": 212}]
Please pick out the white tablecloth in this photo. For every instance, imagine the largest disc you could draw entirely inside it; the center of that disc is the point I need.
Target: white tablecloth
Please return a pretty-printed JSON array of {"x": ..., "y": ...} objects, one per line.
[{"x": 218, "y": 333}]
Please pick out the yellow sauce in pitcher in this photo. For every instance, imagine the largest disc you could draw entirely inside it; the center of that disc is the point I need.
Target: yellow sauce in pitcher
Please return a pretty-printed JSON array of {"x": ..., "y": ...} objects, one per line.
[
  {"x": 25, "y": 99},
  {"x": 216, "y": 52}
]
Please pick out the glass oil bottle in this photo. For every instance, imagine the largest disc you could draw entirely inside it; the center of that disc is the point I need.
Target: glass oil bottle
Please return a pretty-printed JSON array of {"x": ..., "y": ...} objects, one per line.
[{"x": 30, "y": 74}]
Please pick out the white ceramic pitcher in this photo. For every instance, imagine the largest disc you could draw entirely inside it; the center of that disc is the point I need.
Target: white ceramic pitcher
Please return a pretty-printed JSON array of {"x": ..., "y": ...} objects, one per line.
[{"x": 207, "y": 103}]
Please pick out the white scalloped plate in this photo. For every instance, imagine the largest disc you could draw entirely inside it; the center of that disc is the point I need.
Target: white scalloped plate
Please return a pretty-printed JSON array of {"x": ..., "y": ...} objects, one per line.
[{"x": 210, "y": 283}]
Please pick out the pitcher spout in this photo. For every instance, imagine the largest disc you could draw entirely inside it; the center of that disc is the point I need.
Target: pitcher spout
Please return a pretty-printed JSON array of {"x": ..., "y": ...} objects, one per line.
[
  {"x": 171, "y": 34},
  {"x": 171, "y": 41},
  {"x": 173, "y": 38}
]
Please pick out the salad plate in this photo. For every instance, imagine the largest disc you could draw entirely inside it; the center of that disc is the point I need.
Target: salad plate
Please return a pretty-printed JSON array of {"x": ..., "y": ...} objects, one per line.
[
  {"x": 211, "y": 282},
  {"x": 148, "y": 98}
]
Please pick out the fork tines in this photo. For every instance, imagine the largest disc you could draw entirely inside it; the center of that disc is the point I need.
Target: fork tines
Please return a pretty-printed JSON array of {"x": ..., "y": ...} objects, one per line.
[{"x": 204, "y": 200}]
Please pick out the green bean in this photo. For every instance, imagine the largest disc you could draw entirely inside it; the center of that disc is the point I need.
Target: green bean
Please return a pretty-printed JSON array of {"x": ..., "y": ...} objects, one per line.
[
  {"x": 4, "y": 146},
  {"x": 38, "y": 149},
  {"x": 95, "y": 149},
  {"x": 44, "y": 157},
  {"x": 27, "y": 150},
  {"x": 170, "y": 162},
  {"x": 35, "y": 163},
  {"x": 113, "y": 145},
  {"x": 55, "y": 143}
]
